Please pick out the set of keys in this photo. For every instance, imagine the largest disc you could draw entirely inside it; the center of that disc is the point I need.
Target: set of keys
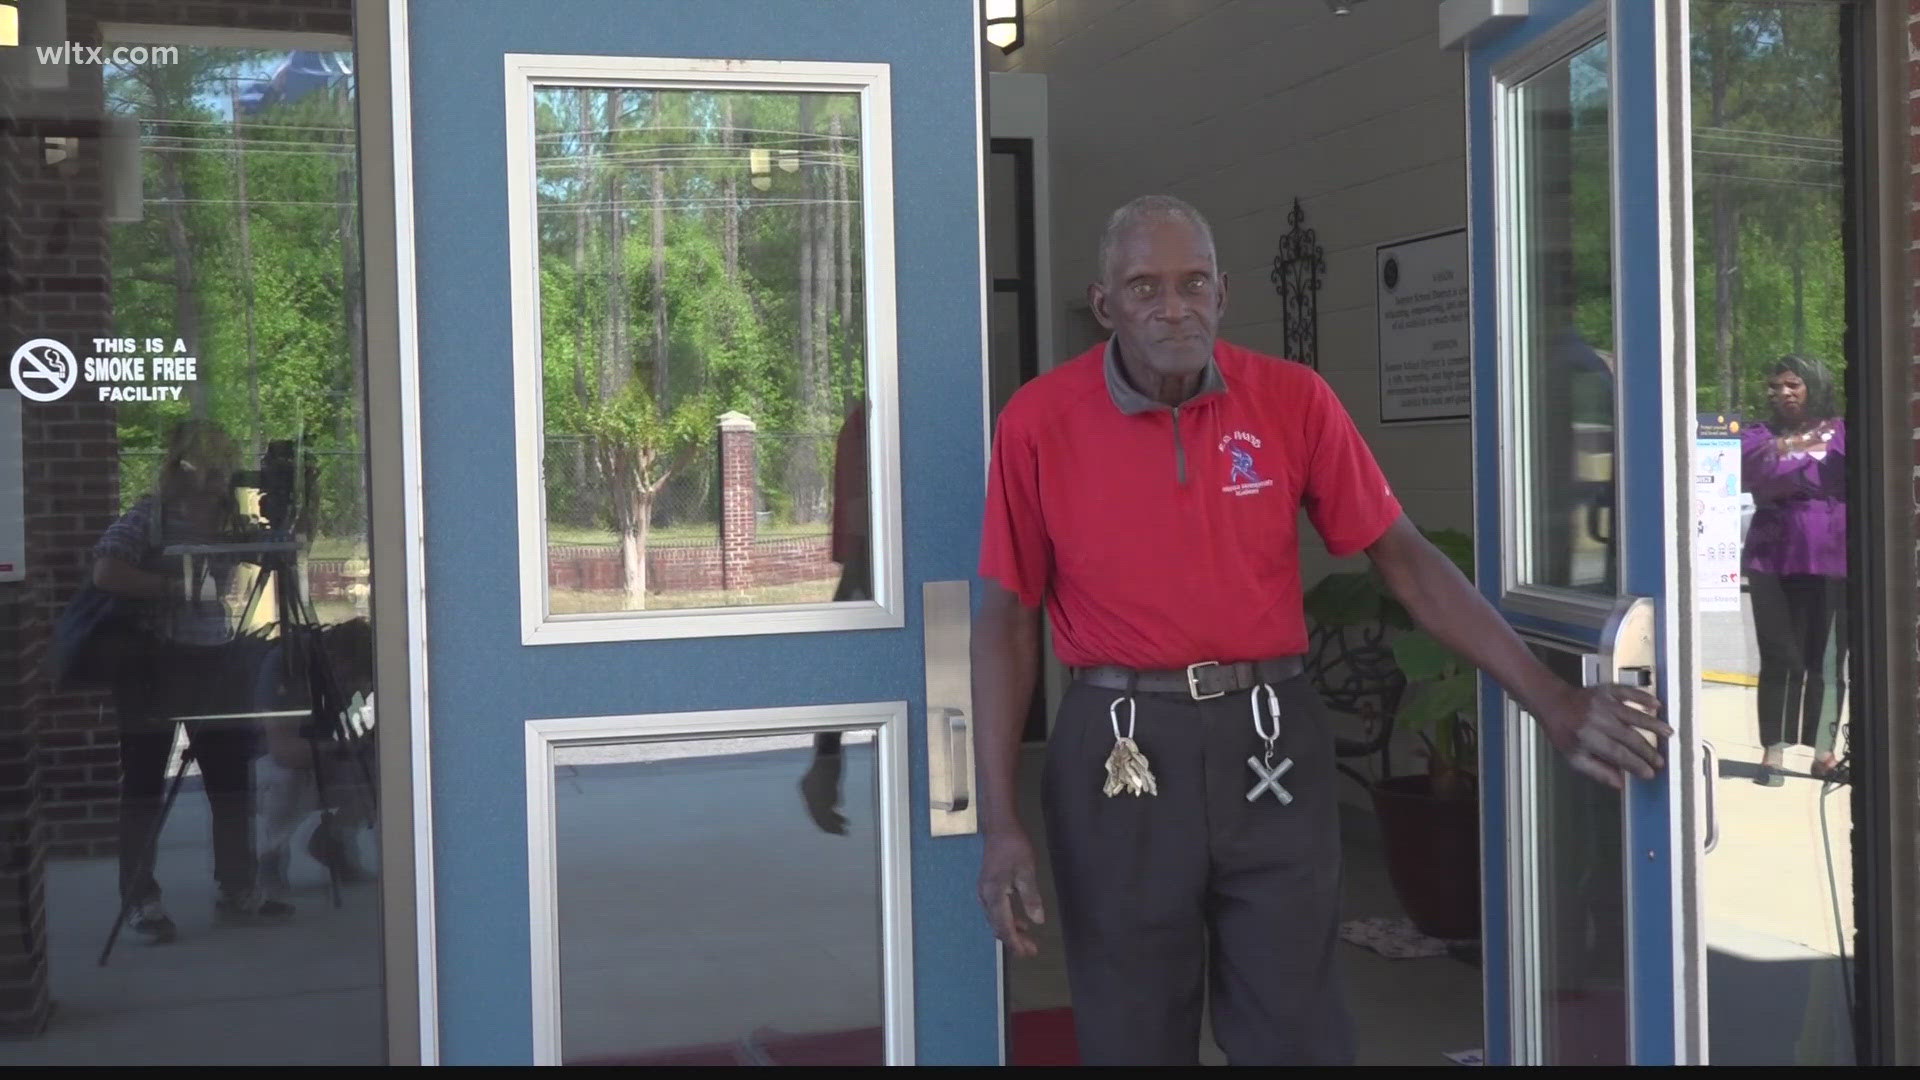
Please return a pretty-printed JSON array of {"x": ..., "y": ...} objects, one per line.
[{"x": 1129, "y": 772}]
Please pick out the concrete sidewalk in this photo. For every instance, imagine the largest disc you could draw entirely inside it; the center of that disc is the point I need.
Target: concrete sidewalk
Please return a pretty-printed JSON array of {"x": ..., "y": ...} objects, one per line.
[{"x": 663, "y": 944}]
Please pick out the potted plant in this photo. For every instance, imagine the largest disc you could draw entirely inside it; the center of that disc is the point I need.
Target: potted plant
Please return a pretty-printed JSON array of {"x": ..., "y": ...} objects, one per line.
[{"x": 1429, "y": 821}]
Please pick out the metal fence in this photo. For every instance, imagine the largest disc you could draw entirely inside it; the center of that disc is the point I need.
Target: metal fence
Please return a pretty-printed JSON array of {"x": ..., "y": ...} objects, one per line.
[
  {"x": 796, "y": 477},
  {"x": 794, "y": 481},
  {"x": 338, "y": 501}
]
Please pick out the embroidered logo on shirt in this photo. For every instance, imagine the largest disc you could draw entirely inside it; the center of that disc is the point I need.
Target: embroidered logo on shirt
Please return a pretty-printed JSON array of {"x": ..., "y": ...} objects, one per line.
[{"x": 1243, "y": 477}]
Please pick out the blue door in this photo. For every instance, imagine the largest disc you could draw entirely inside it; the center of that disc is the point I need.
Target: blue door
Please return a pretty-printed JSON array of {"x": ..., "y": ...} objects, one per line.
[
  {"x": 699, "y": 361},
  {"x": 1578, "y": 460}
]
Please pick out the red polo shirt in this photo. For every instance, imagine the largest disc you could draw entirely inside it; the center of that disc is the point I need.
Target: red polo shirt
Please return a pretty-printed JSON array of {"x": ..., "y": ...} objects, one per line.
[{"x": 1163, "y": 537}]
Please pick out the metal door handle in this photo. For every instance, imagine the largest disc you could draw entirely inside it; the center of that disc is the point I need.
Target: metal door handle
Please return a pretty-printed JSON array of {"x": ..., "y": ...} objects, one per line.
[
  {"x": 957, "y": 729},
  {"x": 1711, "y": 762},
  {"x": 950, "y": 782}
]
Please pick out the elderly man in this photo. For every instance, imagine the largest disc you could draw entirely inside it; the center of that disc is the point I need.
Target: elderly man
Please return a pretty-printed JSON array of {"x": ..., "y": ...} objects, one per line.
[{"x": 1147, "y": 492}]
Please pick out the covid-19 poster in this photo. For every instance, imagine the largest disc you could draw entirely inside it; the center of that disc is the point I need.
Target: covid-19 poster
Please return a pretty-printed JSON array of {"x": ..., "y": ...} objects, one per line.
[{"x": 1716, "y": 512}]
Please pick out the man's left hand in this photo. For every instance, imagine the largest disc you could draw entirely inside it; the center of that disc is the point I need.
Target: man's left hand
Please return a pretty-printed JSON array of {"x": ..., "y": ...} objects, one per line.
[
  {"x": 1600, "y": 730},
  {"x": 820, "y": 792}
]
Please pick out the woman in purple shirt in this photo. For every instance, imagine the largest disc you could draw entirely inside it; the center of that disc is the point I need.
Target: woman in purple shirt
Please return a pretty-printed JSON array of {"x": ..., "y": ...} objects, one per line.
[{"x": 1796, "y": 560}]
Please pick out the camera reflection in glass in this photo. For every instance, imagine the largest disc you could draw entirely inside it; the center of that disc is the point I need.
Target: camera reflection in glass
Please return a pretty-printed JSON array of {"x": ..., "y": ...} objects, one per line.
[{"x": 213, "y": 634}]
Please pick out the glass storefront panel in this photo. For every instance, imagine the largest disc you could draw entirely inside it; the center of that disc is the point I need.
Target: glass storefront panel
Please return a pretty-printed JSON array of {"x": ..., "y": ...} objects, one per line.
[
  {"x": 1564, "y": 310},
  {"x": 1579, "y": 949},
  {"x": 1774, "y": 153},
  {"x": 186, "y": 688}
]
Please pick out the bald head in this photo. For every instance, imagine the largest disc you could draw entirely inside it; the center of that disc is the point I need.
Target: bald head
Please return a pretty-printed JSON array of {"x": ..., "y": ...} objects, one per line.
[
  {"x": 1161, "y": 293},
  {"x": 1144, "y": 212}
]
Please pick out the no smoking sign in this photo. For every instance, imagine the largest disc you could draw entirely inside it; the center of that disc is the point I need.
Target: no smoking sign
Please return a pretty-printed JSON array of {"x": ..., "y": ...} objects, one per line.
[{"x": 44, "y": 370}]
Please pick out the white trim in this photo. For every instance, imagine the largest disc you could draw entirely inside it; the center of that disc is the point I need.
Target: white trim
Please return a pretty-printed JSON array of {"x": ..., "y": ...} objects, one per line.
[
  {"x": 1526, "y": 1035},
  {"x": 1463, "y": 22},
  {"x": 1577, "y": 33},
  {"x": 1018, "y": 103},
  {"x": 542, "y": 737},
  {"x": 872, "y": 83},
  {"x": 1675, "y": 614},
  {"x": 985, "y": 274},
  {"x": 1487, "y": 974},
  {"x": 984, "y": 133},
  {"x": 1617, "y": 282},
  {"x": 1692, "y": 1032},
  {"x": 222, "y": 37},
  {"x": 1509, "y": 298},
  {"x": 413, "y": 472},
  {"x": 1573, "y": 34},
  {"x": 1523, "y": 888},
  {"x": 1587, "y": 611}
]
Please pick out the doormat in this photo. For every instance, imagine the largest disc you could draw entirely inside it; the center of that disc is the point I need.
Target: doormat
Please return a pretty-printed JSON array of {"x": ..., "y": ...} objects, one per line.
[
  {"x": 1034, "y": 1037},
  {"x": 1395, "y": 939}
]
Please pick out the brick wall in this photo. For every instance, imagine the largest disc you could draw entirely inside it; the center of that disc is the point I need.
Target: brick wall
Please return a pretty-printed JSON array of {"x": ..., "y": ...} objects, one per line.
[{"x": 52, "y": 256}]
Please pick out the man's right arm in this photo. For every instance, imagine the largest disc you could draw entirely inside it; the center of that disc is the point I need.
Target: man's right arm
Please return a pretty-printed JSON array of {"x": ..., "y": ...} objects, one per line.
[
  {"x": 1005, "y": 651},
  {"x": 122, "y": 578}
]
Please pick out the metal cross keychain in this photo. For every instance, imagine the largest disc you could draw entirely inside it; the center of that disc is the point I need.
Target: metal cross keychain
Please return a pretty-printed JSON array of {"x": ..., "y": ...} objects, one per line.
[{"x": 1268, "y": 772}]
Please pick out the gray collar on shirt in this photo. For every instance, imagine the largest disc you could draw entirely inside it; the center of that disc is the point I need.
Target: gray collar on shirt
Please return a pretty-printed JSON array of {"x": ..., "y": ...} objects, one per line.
[{"x": 1132, "y": 402}]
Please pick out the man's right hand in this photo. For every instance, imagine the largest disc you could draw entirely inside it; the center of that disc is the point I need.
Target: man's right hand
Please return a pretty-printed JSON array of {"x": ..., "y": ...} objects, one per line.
[{"x": 1010, "y": 891}]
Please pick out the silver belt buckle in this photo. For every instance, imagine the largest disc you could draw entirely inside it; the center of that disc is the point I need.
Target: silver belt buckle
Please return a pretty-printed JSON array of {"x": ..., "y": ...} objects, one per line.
[{"x": 1193, "y": 681}]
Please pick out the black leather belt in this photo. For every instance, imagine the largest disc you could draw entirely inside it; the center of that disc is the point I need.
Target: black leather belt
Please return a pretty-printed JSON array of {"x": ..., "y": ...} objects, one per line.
[{"x": 1201, "y": 681}]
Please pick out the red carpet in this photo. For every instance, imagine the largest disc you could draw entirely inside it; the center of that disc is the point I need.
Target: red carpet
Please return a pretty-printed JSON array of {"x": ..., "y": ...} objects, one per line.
[
  {"x": 1042, "y": 1037},
  {"x": 1038, "y": 1037}
]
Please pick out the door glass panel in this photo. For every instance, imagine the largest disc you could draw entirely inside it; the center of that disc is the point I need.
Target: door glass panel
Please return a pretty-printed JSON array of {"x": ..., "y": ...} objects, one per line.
[
  {"x": 1580, "y": 904},
  {"x": 748, "y": 869},
  {"x": 1006, "y": 330},
  {"x": 182, "y": 316},
  {"x": 1773, "y": 158},
  {"x": 1563, "y": 394},
  {"x": 1003, "y": 229},
  {"x": 703, "y": 347},
  {"x": 1013, "y": 349}
]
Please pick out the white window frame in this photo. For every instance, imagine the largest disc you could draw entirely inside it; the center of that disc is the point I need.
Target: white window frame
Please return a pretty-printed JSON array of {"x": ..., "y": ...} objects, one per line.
[
  {"x": 887, "y": 718},
  {"x": 887, "y": 610},
  {"x": 222, "y": 37}
]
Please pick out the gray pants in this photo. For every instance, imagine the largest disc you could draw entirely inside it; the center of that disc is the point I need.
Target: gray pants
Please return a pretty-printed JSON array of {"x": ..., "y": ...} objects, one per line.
[{"x": 1157, "y": 889}]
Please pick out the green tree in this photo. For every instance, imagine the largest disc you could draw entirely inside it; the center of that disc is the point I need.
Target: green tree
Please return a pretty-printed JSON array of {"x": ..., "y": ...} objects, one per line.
[
  {"x": 1768, "y": 192},
  {"x": 700, "y": 246},
  {"x": 642, "y": 450}
]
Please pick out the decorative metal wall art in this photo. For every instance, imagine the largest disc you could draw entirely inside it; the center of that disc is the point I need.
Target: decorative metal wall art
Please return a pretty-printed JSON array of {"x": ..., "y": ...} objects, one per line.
[{"x": 1296, "y": 277}]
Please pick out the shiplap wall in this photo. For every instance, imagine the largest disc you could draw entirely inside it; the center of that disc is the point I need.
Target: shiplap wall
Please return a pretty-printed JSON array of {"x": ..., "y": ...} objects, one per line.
[{"x": 1239, "y": 106}]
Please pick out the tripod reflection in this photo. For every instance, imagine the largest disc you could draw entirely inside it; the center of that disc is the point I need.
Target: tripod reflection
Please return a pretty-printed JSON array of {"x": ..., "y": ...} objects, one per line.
[{"x": 274, "y": 704}]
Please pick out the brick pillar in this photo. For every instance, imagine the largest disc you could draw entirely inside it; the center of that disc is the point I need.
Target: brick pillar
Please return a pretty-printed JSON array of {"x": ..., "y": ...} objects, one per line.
[
  {"x": 24, "y": 1004},
  {"x": 739, "y": 500},
  {"x": 58, "y": 286}
]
